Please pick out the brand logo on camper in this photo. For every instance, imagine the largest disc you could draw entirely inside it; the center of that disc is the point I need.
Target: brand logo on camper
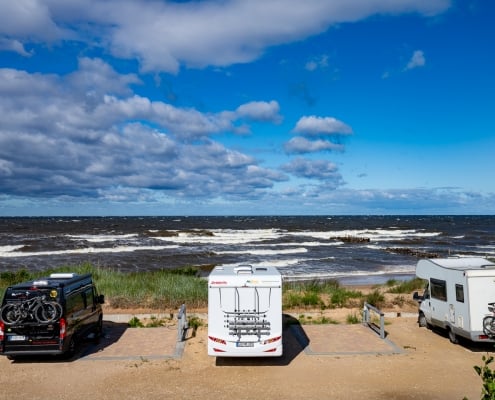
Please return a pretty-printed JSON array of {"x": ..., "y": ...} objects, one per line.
[{"x": 219, "y": 282}]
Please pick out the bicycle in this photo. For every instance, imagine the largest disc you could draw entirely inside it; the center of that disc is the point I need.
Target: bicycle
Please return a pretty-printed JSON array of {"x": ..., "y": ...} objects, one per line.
[
  {"x": 36, "y": 309},
  {"x": 489, "y": 321}
]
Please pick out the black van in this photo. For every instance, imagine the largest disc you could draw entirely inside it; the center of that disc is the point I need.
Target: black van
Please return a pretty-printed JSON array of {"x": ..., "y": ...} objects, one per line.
[{"x": 49, "y": 315}]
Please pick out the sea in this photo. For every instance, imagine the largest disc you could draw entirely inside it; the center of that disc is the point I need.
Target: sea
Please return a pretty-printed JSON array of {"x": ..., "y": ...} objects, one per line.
[{"x": 351, "y": 249}]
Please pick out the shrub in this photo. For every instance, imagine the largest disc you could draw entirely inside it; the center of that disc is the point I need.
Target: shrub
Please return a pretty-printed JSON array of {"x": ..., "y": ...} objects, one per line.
[
  {"x": 353, "y": 318},
  {"x": 375, "y": 298},
  {"x": 135, "y": 322},
  {"x": 407, "y": 286},
  {"x": 488, "y": 377},
  {"x": 339, "y": 297}
]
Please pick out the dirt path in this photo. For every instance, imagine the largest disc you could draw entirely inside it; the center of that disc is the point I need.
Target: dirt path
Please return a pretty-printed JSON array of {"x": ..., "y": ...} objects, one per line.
[{"x": 429, "y": 367}]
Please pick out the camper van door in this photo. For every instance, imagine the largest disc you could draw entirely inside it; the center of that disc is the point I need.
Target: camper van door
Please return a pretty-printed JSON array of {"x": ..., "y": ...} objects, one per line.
[{"x": 425, "y": 305}]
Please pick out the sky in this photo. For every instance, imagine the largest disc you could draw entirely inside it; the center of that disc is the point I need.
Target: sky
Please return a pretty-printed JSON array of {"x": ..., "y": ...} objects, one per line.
[{"x": 236, "y": 107}]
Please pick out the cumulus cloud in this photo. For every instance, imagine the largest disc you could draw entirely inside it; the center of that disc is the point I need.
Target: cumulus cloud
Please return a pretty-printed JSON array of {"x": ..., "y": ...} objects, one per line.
[
  {"x": 314, "y": 133},
  {"x": 321, "y": 170},
  {"x": 318, "y": 126},
  {"x": 260, "y": 111},
  {"x": 195, "y": 34},
  {"x": 417, "y": 60},
  {"x": 86, "y": 134},
  {"x": 13, "y": 45},
  {"x": 320, "y": 62},
  {"x": 301, "y": 145}
]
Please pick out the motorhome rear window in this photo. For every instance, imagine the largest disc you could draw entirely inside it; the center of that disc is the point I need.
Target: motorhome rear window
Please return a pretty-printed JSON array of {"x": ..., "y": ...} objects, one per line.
[{"x": 438, "y": 289}]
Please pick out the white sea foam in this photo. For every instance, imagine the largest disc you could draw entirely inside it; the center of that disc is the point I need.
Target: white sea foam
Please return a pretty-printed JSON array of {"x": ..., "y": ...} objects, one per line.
[
  {"x": 87, "y": 250},
  {"x": 10, "y": 248},
  {"x": 281, "y": 263},
  {"x": 238, "y": 237},
  {"x": 223, "y": 236},
  {"x": 102, "y": 238},
  {"x": 265, "y": 252}
]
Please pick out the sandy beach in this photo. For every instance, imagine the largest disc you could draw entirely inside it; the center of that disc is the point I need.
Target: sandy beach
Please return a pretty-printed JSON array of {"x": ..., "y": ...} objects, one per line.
[{"x": 427, "y": 367}]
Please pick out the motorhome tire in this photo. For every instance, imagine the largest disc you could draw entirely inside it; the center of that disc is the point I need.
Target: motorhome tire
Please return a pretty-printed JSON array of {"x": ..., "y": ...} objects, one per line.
[
  {"x": 422, "y": 321},
  {"x": 452, "y": 336}
]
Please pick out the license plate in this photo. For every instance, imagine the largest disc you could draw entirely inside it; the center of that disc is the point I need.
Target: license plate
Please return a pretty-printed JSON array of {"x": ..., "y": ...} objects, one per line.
[
  {"x": 245, "y": 344},
  {"x": 16, "y": 338}
]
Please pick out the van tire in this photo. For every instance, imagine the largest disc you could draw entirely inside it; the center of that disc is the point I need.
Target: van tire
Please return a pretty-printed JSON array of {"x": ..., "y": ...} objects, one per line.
[
  {"x": 422, "y": 321},
  {"x": 452, "y": 336},
  {"x": 71, "y": 350},
  {"x": 99, "y": 330}
]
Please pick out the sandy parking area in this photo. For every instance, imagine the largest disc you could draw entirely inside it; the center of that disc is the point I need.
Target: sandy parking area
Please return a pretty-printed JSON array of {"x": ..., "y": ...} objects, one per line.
[{"x": 427, "y": 366}]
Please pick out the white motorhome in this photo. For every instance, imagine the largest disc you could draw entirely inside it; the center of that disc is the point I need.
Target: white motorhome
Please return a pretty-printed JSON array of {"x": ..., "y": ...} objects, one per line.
[
  {"x": 456, "y": 296},
  {"x": 244, "y": 312}
]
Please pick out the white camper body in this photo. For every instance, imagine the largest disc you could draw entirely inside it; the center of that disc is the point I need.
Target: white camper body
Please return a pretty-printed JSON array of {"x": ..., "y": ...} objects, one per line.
[
  {"x": 457, "y": 295},
  {"x": 244, "y": 312}
]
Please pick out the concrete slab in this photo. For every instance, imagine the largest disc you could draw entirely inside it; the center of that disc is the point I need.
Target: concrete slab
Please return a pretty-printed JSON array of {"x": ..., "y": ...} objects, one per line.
[
  {"x": 119, "y": 342},
  {"x": 342, "y": 340}
]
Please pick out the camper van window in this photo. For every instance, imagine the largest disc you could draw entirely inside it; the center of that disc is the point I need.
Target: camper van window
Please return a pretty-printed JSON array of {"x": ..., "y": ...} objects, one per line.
[
  {"x": 438, "y": 289},
  {"x": 75, "y": 303},
  {"x": 459, "y": 293}
]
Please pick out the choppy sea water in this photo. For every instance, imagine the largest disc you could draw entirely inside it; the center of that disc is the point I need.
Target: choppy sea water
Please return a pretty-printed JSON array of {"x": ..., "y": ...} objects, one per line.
[{"x": 354, "y": 249}]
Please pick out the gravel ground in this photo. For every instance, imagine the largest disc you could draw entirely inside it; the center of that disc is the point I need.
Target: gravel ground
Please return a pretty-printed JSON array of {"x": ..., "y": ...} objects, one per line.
[{"x": 429, "y": 367}]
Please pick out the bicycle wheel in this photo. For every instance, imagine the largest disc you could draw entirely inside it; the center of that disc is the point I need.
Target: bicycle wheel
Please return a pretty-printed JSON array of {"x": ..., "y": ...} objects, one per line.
[
  {"x": 489, "y": 325},
  {"x": 10, "y": 314},
  {"x": 47, "y": 312}
]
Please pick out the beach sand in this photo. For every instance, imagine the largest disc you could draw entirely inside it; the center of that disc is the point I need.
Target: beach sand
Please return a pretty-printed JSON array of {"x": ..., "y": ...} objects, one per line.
[{"x": 428, "y": 367}]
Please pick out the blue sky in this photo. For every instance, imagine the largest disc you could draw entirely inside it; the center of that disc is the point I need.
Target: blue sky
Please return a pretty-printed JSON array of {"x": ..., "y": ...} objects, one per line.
[{"x": 140, "y": 107}]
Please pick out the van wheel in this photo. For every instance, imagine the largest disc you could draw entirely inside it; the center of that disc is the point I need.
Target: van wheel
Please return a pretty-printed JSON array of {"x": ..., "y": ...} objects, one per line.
[
  {"x": 98, "y": 330},
  {"x": 71, "y": 350},
  {"x": 422, "y": 321},
  {"x": 452, "y": 336}
]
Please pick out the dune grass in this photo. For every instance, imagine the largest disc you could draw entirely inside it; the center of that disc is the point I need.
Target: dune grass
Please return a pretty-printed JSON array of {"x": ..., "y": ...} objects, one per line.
[
  {"x": 168, "y": 289},
  {"x": 163, "y": 289}
]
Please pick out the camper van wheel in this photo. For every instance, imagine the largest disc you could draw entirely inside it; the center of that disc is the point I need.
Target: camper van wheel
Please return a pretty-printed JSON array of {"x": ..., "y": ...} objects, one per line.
[
  {"x": 452, "y": 336},
  {"x": 71, "y": 350},
  {"x": 422, "y": 321},
  {"x": 98, "y": 330}
]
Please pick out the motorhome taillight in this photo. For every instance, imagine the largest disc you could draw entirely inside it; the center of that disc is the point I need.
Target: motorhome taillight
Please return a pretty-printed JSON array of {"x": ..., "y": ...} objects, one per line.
[
  {"x": 271, "y": 340},
  {"x": 2, "y": 330},
  {"x": 62, "y": 325},
  {"x": 217, "y": 340}
]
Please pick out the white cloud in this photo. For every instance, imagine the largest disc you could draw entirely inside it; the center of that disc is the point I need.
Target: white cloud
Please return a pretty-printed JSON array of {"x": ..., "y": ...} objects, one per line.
[
  {"x": 260, "y": 111},
  {"x": 417, "y": 60},
  {"x": 320, "y": 62},
  {"x": 300, "y": 145},
  {"x": 13, "y": 45},
  {"x": 86, "y": 134},
  {"x": 165, "y": 35},
  {"x": 318, "y": 126}
]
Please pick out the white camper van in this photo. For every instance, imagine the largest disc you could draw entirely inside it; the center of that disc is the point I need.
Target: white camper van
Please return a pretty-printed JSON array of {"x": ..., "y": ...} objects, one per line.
[
  {"x": 244, "y": 312},
  {"x": 456, "y": 296}
]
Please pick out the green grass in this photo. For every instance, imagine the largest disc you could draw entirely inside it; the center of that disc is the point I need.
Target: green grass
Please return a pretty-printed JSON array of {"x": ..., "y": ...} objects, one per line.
[
  {"x": 168, "y": 289},
  {"x": 405, "y": 287},
  {"x": 164, "y": 289},
  {"x": 320, "y": 294}
]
